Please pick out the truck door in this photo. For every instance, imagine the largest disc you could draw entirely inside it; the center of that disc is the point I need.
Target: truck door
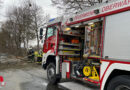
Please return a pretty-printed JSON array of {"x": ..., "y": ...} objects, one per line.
[{"x": 50, "y": 39}]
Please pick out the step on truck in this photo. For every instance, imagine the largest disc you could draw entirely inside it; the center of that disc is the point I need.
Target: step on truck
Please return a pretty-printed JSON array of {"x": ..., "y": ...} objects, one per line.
[{"x": 92, "y": 46}]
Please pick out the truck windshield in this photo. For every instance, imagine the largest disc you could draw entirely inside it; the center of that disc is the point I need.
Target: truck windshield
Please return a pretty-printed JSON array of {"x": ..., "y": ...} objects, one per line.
[{"x": 51, "y": 31}]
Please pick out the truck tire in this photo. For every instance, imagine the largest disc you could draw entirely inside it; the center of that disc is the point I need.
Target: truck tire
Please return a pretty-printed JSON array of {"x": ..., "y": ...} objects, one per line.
[
  {"x": 51, "y": 74},
  {"x": 119, "y": 83}
]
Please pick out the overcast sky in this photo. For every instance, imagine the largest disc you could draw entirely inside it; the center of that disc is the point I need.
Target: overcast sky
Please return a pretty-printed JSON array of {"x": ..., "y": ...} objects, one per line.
[{"x": 45, "y": 4}]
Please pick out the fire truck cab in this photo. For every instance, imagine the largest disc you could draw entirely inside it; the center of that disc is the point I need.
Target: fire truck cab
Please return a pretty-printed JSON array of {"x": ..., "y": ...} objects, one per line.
[
  {"x": 92, "y": 46},
  {"x": 51, "y": 59}
]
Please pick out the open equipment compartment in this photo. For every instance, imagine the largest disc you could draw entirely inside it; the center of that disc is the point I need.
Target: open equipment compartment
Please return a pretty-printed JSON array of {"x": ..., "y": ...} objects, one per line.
[
  {"x": 81, "y": 45},
  {"x": 70, "y": 45},
  {"x": 92, "y": 50}
]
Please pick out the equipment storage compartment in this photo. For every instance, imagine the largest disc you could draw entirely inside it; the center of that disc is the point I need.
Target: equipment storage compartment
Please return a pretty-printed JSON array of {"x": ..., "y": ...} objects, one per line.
[
  {"x": 70, "y": 44},
  {"x": 82, "y": 46},
  {"x": 117, "y": 37},
  {"x": 88, "y": 68},
  {"x": 92, "y": 50}
]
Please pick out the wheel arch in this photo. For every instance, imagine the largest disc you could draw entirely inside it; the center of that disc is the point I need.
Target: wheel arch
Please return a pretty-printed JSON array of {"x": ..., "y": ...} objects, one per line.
[
  {"x": 50, "y": 59},
  {"x": 115, "y": 73}
]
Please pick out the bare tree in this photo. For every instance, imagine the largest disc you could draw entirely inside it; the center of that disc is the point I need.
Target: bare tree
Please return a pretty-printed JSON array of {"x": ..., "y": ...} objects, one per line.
[
  {"x": 8, "y": 38},
  {"x": 74, "y": 6},
  {"x": 19, "y": 23},
  {"x": 22, "y": 25},
  {"x": 3, "y": 41},
  {"x": 29, "y": 33},
  {"x": 39, "y": 20}
]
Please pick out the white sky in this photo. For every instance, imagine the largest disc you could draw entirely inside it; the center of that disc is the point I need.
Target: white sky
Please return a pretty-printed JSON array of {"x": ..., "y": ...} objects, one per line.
[{"x": 45, "y": 4}]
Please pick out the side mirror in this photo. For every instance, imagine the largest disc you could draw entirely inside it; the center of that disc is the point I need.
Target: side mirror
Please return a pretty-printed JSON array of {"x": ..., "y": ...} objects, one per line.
[{"x": 41, "y": 33}]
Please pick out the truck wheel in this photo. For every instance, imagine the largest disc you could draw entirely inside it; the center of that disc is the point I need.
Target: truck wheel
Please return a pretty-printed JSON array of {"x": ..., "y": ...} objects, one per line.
[
  {"x": 119, "y": 83},
  {"x": 51, "y": 74}
]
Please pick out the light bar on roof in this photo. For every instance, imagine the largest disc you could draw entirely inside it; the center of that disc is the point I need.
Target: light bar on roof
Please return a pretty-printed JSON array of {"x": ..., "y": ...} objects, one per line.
[{"x": 51, "y": 19}]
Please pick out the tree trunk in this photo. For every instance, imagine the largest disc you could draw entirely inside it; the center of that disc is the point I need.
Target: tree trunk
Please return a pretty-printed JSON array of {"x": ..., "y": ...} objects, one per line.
[{"x": 37, "y": 41}]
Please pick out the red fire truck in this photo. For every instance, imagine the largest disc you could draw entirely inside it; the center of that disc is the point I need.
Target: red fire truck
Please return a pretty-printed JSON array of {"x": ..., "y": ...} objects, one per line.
[{"x": 92, "y": 46}]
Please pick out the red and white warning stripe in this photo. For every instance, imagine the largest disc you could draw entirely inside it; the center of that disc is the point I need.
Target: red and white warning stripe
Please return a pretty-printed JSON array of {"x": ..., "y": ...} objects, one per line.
[{"x": 2, "y": 83}]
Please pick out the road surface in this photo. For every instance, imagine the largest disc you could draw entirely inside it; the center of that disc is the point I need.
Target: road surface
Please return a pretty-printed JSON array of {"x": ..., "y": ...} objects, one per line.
[{"x": 35, "y": 79}]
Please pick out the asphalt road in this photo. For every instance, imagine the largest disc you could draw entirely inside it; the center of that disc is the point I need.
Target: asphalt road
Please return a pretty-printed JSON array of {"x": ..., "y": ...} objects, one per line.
[{"x": 35, "y": 79}]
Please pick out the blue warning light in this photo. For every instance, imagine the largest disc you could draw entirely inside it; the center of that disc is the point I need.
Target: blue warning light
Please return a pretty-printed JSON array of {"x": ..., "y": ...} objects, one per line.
[{"x": 51, "y": 20}]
